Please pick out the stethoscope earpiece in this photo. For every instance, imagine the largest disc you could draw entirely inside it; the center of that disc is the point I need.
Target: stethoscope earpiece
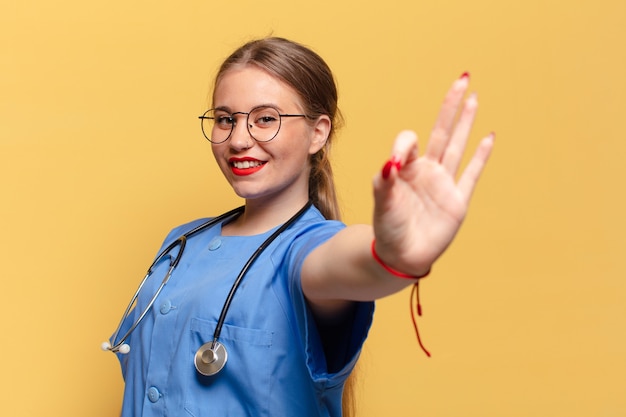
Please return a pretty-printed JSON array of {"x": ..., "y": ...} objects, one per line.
[
  {"x": 210, "y": 358},
  {"x": 124, "y": 348}
]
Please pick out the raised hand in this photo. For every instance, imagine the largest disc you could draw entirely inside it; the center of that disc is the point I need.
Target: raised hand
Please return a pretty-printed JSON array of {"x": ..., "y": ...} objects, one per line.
[{"x": 420, "y": 201}]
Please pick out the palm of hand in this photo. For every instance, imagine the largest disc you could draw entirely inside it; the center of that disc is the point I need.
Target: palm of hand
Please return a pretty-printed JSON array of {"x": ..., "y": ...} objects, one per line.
[{"x": 420, "y": 207}]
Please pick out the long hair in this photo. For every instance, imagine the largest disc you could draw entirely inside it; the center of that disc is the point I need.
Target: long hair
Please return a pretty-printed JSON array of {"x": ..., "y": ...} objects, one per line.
[{"x": 307, "y": 73}]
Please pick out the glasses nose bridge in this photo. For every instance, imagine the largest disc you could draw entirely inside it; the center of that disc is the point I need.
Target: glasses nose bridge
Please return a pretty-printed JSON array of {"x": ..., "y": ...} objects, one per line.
[
  {"x": 234, "y": 125},
  {"x": 242, "y": 113}
]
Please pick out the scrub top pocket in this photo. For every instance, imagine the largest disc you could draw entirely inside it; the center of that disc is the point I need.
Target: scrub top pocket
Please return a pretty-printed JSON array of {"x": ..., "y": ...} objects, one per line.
[{"x": 247, "y": 367}]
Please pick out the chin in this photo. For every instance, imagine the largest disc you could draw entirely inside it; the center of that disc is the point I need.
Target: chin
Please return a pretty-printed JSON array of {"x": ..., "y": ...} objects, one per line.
[{"x": 248, "y": 193}]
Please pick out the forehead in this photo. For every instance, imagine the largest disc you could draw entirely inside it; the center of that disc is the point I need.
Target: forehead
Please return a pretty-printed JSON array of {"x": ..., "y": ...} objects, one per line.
[{"x": 244, "y": 87}]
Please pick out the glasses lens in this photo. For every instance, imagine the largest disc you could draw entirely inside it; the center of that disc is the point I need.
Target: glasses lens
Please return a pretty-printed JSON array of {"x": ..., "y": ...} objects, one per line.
[
  {"x": 217, "y": 125},
  {"x": 264, "y": 123}
]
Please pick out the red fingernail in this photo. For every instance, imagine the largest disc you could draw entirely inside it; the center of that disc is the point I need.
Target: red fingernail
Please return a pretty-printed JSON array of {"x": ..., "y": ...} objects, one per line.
[
  {"x": 387, "y": 169},
  {"x": 393, "y": 162},
  {"x": 465, "y": 75}
]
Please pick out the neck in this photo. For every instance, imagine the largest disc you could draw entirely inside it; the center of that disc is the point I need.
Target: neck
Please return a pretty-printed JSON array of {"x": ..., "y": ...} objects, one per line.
[{"x": 261, "y": 216}]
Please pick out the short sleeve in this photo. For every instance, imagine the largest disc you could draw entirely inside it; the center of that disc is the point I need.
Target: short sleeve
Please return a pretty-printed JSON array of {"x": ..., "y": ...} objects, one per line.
[{"x": 303, "y": 244}]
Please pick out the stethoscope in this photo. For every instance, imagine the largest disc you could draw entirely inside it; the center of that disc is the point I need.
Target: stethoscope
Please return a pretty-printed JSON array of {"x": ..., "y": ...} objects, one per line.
[{"x": 211, "y": 357}]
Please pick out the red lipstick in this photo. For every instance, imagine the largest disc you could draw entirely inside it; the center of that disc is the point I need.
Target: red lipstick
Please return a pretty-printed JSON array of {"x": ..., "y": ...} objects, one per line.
[{"x": 245, "y": 166}]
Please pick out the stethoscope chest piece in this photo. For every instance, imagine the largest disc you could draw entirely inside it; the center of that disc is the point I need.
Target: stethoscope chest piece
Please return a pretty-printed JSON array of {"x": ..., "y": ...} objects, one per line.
[{"x": 210, "y": 358}]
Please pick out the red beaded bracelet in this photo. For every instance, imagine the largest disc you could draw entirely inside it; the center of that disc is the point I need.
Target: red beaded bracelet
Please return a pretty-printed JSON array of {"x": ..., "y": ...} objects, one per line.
[{"x": 390, "y": 269}]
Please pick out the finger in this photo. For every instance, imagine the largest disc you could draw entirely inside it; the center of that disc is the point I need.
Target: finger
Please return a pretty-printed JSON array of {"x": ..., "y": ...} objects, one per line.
[
  {"x": 472, "y": 172},
  {"x": 404, "y": 151},
  {"x": 441, "y": 132},
  {"x": 405, "y": 147},
  {"x": 456, "y": 147}
]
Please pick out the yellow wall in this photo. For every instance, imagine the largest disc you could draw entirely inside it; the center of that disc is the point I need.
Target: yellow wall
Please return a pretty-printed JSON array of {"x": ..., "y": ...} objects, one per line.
[{"x": 101, "y": 154}]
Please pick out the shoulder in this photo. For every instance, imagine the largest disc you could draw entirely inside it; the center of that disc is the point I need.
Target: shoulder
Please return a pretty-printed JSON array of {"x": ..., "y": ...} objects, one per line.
[
  {"x": 313, "y": 228},
  {"x": 309, "y": 232},
  {"x": 185, "y": 228}
]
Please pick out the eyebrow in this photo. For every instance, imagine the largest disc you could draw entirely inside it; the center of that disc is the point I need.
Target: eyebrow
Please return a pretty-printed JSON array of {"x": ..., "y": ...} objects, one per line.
[{"x": 272, "y": 105}]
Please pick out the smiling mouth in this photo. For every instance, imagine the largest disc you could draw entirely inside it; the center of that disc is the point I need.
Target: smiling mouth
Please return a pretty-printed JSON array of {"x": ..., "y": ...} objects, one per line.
[
  {"x": 246, "y": 167},
  {"x": 246, "y": 164}
]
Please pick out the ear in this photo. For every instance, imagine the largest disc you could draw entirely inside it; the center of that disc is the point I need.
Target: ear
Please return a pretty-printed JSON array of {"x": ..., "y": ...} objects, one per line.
[{"x": 320, "y": 131}]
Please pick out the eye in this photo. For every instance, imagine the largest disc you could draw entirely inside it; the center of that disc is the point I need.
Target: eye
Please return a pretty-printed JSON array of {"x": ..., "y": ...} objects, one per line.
[
  {"x": 265, "y": 117},
  {"x": 224, "y": 120}
]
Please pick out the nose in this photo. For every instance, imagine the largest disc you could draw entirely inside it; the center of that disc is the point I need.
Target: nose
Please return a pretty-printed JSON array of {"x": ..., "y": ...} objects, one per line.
[{"x": 240, "y": 138}]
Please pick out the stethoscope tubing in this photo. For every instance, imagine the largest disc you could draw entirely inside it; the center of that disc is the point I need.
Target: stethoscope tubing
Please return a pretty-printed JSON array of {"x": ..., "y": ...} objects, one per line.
[{"x": 182, "y": 241}]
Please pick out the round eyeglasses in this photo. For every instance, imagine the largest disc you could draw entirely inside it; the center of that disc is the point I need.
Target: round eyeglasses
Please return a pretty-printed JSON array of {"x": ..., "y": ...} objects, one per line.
[{"x": 263, "y": 123}]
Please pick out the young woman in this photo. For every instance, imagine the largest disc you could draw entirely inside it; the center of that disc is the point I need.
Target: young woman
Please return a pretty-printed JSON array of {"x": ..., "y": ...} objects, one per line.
[{"x": 266, "y": 311}]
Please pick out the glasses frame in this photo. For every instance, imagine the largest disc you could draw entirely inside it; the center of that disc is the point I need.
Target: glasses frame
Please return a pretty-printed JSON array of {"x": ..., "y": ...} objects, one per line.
[{"x": 232, "y": 126}]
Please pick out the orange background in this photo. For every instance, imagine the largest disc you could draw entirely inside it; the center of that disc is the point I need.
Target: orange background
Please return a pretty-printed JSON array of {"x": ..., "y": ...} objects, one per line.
[{"x": 101, "y": 154}]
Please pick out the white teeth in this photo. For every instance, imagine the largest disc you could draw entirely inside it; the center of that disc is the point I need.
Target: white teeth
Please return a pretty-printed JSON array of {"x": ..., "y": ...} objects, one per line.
[{"x": 246, "y": 164}]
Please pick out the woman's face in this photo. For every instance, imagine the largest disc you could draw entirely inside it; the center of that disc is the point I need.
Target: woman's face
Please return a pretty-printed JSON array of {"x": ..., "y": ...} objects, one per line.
[{"x": 276, "y": 171}]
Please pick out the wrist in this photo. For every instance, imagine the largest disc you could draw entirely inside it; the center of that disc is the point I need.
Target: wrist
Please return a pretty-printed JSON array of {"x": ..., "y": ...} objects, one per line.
[{"x": 393, "y": 271}]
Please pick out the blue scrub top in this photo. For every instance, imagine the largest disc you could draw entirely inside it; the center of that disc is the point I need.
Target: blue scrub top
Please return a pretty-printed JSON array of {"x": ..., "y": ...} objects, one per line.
[{"x": 276, "y": 364}]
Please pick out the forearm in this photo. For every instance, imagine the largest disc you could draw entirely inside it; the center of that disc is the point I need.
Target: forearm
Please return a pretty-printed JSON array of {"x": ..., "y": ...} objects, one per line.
[{"x": 343, "y": 268}]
